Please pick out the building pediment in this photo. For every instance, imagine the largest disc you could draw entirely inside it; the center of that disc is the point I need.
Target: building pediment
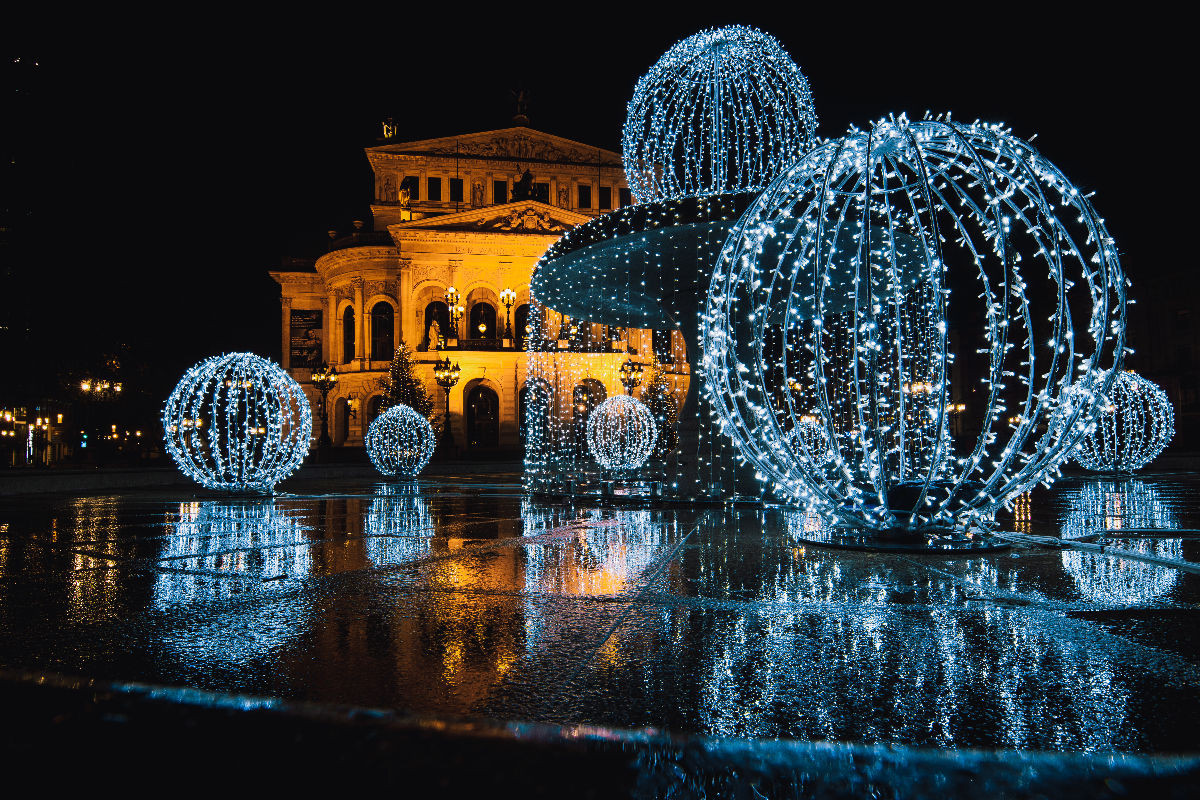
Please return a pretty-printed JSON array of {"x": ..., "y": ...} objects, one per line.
[
  {"x": 523, "y": 216},
  {"x": 509, "y": 144}
]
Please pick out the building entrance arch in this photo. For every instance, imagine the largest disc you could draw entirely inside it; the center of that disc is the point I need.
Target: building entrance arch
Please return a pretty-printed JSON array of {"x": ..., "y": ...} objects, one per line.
[{"x": 483, "y": 417}]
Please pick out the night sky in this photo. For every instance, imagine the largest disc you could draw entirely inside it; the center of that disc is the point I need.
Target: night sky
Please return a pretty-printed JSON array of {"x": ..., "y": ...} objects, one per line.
[{"x": 159, "y": 177}]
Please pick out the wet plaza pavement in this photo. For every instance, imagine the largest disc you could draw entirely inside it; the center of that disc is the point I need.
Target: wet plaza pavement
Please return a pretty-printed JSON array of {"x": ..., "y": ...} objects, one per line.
[{"x": 462, "y": 598}]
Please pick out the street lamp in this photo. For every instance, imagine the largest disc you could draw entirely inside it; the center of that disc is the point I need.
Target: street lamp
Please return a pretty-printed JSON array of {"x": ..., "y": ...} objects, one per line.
[
  {"x": 508, "y": 297},
  {"x": 456, "y": 311},
  {"x": 324, "y": 379},
  {"x": 631, "y": 375},
  {"x": 446, "y": 375}
]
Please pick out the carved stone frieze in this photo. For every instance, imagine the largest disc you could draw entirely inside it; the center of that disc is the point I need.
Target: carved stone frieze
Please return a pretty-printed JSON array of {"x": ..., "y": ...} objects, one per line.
[{"x": 523, "y": 219}]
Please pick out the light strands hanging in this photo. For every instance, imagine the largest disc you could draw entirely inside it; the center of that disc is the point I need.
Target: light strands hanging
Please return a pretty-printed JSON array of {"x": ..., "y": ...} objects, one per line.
[
  {"x": 400, "y": 442},
  {"x": 724, "y": 110},
  {"x": 237, "y": 422},
  {"x": 1133, "y": 426},
  {"x": 621, "y": 433},
  {"x": 836, "y": 288}
]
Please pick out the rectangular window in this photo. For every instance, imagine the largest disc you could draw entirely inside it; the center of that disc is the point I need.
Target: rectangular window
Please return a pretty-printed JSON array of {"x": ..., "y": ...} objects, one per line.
[
  {"x": 605, "y": 198},
  {"x": 435, "y": 188},
  {"x": 585, "y": 197},
  {"x": 456, "y": 190},
  {"x": 625, "y": 196},
  {"x": 541, "y": 193},
  {"x": 413, "y": 184},
  {"x": 499, "y": 192}
]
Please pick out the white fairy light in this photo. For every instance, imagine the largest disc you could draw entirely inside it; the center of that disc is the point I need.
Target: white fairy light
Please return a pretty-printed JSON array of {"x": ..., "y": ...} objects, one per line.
[
  {"x": 237, "y": 422},
  {"x": 621, "y": 433},
  {"x": 1134, "y": 425},
  {"x": 400, "y": 442},
  {"x": 833, "y": 295},
  {"x": 724, "y": 110}
]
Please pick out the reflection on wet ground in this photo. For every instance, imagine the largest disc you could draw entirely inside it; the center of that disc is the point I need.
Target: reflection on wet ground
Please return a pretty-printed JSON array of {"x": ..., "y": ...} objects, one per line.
[{"x": 454, "y": 596}]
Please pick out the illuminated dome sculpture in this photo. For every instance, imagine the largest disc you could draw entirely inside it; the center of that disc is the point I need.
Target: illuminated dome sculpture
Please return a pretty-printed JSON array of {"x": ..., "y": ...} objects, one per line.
[
  {"x": 237, "y": 422},
  {"x": 1132, "y": 428},
  {"x": 725, "y": 110},
  {"x": 400, "y": 442},
  {"x": 835, "y": 290},
  {"x": 621, "y": 433},
  {"x": 629, "y": 285}
]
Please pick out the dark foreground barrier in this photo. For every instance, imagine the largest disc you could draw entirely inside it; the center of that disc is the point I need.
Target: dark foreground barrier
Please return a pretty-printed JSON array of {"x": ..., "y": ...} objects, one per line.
[{"x": 63, "y": 733}]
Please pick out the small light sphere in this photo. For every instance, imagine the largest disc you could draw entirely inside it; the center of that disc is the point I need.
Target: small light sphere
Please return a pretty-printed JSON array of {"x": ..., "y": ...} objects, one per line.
[
  {"x": 400, "y": 442},
  {"x": 724, "y": 110},
  {"x": 621, "y": 433},
  {"x": 944, "y": 304},
  {"x": 1133, "y": 426},
  {"x": 237, "y": 422}
]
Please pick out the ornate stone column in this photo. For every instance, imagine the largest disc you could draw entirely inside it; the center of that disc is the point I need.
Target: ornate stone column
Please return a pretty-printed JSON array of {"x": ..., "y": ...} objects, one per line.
[
  {"x": 360, "y": 321},
  {"x": 329, "y": 345},
  {"x": 286, "y": 317}
]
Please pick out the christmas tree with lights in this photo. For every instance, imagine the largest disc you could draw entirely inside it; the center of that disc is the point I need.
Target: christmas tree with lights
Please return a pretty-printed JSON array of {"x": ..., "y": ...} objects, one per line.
[
  {"x": 403, "y": 387},
  {"x": 659, "y": 398}
]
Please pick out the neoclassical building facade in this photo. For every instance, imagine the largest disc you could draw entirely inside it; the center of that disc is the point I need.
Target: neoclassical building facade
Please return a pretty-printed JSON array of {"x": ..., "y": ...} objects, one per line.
[{"x": 471, "y": 214}]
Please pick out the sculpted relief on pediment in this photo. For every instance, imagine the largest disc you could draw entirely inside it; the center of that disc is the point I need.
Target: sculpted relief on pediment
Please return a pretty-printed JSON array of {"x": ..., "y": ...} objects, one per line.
[
  {"x": 524, "y": 219},
  {"x": 521, "y": 146}
]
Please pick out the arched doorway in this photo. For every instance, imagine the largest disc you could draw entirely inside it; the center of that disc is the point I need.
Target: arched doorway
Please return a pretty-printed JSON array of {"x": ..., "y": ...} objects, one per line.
[
  {"x": 585, "y": 397},
  {"x": 383, "y": 337},
  {"x": 438, "y": 312},
  {"x": 341, "y": 421},
  {"x": 348, "y": 335},
  {"x": 373, "y": 406},
  {"x": 483, "y": 322},
  {"x": 483, "y": 417},
  {"x": 521, "y": 326}
]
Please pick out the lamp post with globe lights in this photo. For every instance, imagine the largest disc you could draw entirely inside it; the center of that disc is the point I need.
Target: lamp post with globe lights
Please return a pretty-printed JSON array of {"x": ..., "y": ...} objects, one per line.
[
  {"x": 508, "y": 297},
  {"x": 631, "y": 375},
  {"x": 456, "y": 310},
  {"x": 324, "y": 379},
  {"x": 446, "y": 375}
]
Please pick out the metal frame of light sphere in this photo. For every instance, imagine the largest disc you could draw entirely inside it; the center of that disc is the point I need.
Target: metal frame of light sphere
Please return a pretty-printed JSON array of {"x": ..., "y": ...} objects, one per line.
[
  {"x": 1132, "y": 428},
  {"x": 621, "y": 433},
  {"x": 724, "y": 110},
  {"x": 400, "y": 442},
  {"x": 832, "y": 298},
  {"x": 237, "y": 422}
]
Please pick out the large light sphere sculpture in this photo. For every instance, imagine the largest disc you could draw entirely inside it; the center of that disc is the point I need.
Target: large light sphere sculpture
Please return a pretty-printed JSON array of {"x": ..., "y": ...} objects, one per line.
[
  {"x": 887, "y": 276},
  {"x": 237, "y": 422},
  {"x": 621, "y": 432},
  {"x": 725, "y": 110},
  {"x": 1132, "y": 428},
  {"x": 400, "y": 442}
]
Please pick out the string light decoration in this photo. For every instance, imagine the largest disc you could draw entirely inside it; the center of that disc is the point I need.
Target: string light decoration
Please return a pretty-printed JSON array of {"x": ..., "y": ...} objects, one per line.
[
  {"x": 1132, "y": 428},
  {"x": 400, "y": 442},
  {"x": 237, "y": 422},
  {"x": 833, "y": 295},
  {"x": 621, "y": 433},
  {"x": 724, "y": 110}
]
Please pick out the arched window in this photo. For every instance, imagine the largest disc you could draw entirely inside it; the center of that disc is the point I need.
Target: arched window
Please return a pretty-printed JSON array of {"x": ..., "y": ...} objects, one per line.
[
  {"x": 438, "y": 312},
  {"x": 348, "y": 335},
  {"x": 341, "y": 418},
  {"x": 483, "y": 417},
  {"x": 383, "y": 340},
  {"x": 483, "y": 322},
  {"x": 521, "y": 326}
]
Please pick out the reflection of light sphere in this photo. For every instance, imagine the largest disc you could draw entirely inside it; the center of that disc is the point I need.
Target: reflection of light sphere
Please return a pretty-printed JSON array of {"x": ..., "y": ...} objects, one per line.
[
  {"x": 1107, "y": 507},
  {"x": 725, "y": 110},
  {"x": 237, "y": 422},
  {"x": 400, "y": 441},
  {"x": 1132, "y": 428},
  {"x": 1103, "y": 578},
  {"x": 621, "y": 433},
  {"x": 835, "y": 288}
]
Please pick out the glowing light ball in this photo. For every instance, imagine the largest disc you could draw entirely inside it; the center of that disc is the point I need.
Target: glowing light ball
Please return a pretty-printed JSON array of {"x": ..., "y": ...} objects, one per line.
[
  {"x": 621, "y": 433},
  {"x": 892, "y": 274},
  {"x": 400, "y": 442},
  {"x": 237, "y": 422},
  {"x": 1132, "y": 428},
  {"x": 722, "y": 111}
]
